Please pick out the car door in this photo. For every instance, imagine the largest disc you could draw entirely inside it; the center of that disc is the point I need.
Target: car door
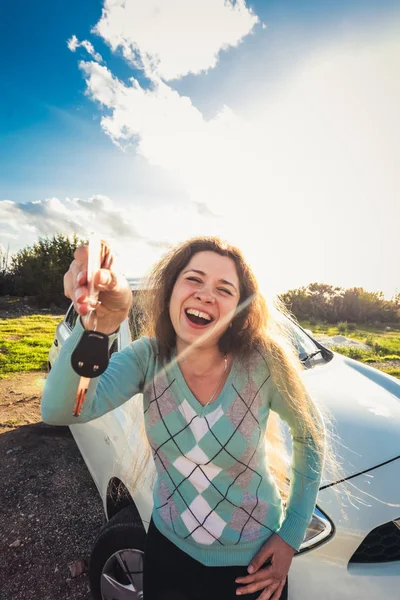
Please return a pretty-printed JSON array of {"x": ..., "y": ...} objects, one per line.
[{"x": 103, "y": 441}]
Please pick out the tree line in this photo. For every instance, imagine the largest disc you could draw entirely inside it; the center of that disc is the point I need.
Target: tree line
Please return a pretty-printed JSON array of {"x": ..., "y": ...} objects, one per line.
[
  {"x": 332, "y": 304},
  {"x": 37, "y": 271}
]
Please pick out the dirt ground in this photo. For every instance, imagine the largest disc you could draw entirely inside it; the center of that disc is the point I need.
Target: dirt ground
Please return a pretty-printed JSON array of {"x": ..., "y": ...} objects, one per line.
[{"x": 50, "y": 510}]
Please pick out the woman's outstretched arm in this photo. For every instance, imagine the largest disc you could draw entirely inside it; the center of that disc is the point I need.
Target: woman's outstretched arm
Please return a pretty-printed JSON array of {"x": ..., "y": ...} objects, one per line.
[{"x": 123, "y": 378}]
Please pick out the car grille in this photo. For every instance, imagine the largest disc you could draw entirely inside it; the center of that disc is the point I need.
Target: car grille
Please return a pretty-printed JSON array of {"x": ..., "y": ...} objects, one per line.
[{"x": 382, "y": 544}]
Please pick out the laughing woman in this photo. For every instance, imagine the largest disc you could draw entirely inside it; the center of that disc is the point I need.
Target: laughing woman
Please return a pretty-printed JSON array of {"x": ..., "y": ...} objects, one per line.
[{"x": 213, "y": 367}]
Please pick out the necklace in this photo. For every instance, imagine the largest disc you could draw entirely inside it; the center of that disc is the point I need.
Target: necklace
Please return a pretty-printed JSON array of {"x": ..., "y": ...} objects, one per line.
[{"x": 220, "y": 379}]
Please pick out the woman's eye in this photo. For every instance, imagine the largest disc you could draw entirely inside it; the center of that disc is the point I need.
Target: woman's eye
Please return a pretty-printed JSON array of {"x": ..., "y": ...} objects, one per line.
[
  {"x": 225, "y": 290},
  {"x": 194, "y": 279}
]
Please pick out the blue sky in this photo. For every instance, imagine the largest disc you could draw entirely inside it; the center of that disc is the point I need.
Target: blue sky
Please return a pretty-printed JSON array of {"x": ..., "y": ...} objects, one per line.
[{"x": 54, "y": 144}]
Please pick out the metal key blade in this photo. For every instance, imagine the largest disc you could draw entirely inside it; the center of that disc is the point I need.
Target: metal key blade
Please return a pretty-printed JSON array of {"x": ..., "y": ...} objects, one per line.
[
  {"x": 94, "y": 264},
  {"x": 80, "y": 395}
]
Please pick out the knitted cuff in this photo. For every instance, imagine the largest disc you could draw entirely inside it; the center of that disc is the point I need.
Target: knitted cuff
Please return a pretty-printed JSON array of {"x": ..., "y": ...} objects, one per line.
[{"x": 293, "y": 529}]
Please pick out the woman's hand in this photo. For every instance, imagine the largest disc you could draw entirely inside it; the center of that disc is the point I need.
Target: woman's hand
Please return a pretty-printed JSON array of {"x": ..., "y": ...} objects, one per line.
[
  {"x": 272, "y": 577},
  {"x": 115, "y": 295}
]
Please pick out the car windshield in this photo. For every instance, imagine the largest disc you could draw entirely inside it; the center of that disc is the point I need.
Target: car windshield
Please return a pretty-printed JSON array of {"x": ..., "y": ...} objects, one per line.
[{"x": 303, "y": 344}]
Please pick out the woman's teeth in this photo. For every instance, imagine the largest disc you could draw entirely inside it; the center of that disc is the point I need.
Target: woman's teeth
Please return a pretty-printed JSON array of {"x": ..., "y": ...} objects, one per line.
[
  {"x": 198, "y": 317},
  {"x": 198, "y": 313}
]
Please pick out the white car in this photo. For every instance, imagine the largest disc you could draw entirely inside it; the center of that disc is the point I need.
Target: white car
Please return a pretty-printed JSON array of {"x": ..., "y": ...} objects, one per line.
[{"x": 352, "y": 547}]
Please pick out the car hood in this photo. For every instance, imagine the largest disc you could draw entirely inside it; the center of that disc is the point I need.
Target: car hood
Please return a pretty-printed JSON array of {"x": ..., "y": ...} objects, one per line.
[{"x": 364, "y": 407}]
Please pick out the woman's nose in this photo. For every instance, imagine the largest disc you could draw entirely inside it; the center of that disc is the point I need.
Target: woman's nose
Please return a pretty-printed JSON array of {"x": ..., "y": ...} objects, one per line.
[{"x": 205, "y": 295}]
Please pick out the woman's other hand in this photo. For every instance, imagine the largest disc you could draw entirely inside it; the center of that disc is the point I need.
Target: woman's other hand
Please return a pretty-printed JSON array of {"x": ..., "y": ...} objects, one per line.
[
  {"x": 115, "y": 295},
  {"x": 272, "y": 577}
]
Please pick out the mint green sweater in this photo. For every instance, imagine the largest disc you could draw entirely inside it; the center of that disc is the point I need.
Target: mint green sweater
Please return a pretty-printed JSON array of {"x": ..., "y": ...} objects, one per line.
[{"x": 214, "y": 496}]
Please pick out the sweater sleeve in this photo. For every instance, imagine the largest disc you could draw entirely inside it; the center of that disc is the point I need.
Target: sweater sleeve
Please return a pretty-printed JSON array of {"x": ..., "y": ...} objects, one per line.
[
  {"x": 123, "y": 378},
  {"x": 305, "y": 475}
]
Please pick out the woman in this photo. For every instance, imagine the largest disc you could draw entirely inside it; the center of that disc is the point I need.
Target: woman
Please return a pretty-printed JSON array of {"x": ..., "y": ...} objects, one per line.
[{"x": 214, "y": 366}]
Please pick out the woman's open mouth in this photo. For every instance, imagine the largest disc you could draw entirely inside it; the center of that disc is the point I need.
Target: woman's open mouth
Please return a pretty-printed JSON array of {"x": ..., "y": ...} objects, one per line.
[{"x": 198, "y": 318}]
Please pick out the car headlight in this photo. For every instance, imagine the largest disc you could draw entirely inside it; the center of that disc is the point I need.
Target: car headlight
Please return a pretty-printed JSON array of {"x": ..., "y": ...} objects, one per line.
[{"x": 318, "y": 531}]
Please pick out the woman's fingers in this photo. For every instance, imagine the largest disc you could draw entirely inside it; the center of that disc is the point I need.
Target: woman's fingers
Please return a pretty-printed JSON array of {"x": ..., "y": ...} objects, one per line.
[
  {"x": 81, "y": 278},
  {"x": 105, "y": 280},
  {"x": 265, "y": 574},
  {"x": 278, "y": 592},
  {"x": 70, "y": 283},
  {"x": 269, "y": 592},
  {"x": 107, "y": 259},
  {"x": 80, "y": 300},
  {"x": 82, "y": 309},
  {"x": 81, "y": 255},
  {"x": 258, "y": 581},
  {"x": 255, "y": 576},
  {"x": 112, "y": 289},
  {"x": 255, "y": 587},
  {"x": 81, "y": 294}
]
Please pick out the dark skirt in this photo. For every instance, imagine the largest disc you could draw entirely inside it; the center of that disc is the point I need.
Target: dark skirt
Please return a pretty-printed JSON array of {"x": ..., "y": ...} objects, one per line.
[{"x": 171, "y": 574}]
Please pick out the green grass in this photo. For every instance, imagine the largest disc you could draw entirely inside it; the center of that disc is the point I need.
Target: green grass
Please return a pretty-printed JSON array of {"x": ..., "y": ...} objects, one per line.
[
  {"x": 25, "y": 343},
  {"x": 393, "y": 372},
  {"x": 356, "y": 353},
  {"x": 384, "y": 345},
  {"x": 382, "y": 359}
]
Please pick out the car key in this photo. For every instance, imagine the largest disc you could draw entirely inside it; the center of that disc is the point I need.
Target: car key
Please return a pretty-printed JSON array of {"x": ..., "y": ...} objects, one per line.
[
  {"x": 89, "y": 360},
  {"x": 90, "y": 357}
]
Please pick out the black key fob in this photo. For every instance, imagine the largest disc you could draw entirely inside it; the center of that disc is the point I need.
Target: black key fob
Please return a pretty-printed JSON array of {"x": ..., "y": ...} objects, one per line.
[{"x": 90, "y": 357}]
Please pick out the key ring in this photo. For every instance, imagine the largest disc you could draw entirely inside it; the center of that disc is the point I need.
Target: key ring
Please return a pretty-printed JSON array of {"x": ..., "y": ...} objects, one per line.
[{"x": 91, "y": 313}]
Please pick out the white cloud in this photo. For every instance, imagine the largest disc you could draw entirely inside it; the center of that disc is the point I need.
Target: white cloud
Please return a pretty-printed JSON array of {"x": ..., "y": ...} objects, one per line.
[
  {"x": 11, "y": 236},
  {"x": 72, "y": 215},
  {"x": 171, "y": 38},
  {"x": 305, "y": 182},
  {"x": 73, "y": 43},
  {"x": 215, "y": 161},
  {"x": 138, "y": 235},
  {"x": 315, "y": 157}
]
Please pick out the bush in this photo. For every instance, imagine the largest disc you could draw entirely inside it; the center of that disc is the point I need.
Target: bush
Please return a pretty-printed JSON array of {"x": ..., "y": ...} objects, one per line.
[
  {"x": 326, "y": 303},
  {"x": 381, "y": 350},
  {"x": 356, "y": 353},
  {"x": 342, "y": 326},
  {"x": 369, "y": 340},
  {"x": 38, "y": 270},
  {"x": 6, "y": 284}
]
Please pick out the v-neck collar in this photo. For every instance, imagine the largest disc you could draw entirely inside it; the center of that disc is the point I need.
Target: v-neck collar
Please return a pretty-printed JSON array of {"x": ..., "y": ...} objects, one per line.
[{"x": 191, "y": 398}]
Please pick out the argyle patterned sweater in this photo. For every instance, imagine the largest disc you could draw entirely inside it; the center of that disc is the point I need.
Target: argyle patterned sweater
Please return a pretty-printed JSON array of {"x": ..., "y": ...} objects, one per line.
[{"x": 214, "y": 496}]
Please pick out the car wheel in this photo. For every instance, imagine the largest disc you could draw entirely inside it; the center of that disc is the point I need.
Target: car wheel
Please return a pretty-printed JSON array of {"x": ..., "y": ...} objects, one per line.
[{"x": 116, "y": 562}]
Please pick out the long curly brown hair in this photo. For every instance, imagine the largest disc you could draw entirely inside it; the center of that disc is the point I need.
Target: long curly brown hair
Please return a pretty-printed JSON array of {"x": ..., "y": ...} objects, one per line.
[
  {"x": 254, "y": 325},
  {"x": 251, "y": 315}
]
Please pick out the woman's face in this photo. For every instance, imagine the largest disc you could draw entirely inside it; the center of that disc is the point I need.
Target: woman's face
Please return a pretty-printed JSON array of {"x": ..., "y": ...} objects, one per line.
[{"x": 204, "y": 299}]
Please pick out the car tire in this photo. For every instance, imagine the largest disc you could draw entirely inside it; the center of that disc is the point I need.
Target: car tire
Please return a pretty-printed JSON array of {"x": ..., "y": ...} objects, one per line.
[{"x": 121, "y": 540}]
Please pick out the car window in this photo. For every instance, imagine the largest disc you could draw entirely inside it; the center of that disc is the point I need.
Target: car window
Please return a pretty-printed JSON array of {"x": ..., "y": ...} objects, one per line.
[
  {"x": 71, "y": 317},
  {"x": 114, "y": 347},
  {"x": 134, "y": 323},
  {"x": 134, "y": 319},
  {"x": 303, "y": 344}
]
